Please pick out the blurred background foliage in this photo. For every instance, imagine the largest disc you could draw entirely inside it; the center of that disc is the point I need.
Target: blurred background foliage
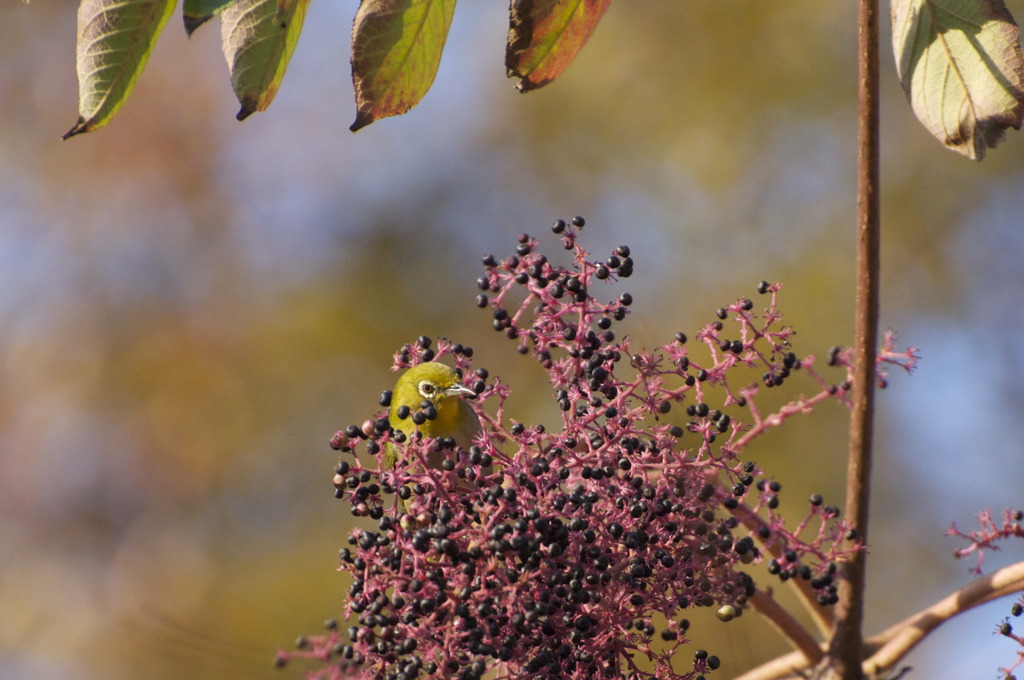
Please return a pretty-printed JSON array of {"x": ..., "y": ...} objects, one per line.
[{"x": 190, "y": 307}]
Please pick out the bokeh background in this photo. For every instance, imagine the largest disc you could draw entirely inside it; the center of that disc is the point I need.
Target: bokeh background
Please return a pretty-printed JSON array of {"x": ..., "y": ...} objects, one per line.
[{"x": 191, "y": 306}]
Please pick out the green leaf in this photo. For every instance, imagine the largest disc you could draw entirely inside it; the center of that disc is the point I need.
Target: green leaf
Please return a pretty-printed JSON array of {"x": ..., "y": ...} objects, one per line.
[
  {"x": 396, "y": 49},
  {"x": 258, "y": 38},
  {"x": 960, "y": 63},
  {"x": 115, "y": 38},
  {"x": 546, "y": 35},
  {"x": 197, "y": 12}
]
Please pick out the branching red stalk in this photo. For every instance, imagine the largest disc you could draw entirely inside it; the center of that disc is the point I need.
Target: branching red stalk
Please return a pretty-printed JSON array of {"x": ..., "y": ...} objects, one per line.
[
  {"x": 885, "y": 650},
  {"x": 895, "y": 642},
  {"x": 822, "y": 616},
  {"x": 788, "y": 626}
]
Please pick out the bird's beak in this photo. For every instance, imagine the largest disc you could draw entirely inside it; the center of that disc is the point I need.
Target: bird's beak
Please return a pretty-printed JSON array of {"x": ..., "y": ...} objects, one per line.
[{"x": 459, "y": 390}]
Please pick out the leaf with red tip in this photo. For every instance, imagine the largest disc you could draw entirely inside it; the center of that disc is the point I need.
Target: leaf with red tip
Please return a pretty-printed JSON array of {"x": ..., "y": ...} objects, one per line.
[
  {"x": 961, "y": 65},
  {"x": 546, "y": 35},
  {"x": 258, "y": 38},
  {"x": 115, "y": 38},
  {"x": 396, "y": 49}
]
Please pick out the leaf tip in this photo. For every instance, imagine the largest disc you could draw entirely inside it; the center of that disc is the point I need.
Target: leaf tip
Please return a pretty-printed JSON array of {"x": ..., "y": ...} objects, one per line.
[
  {"x": 193, "y": 22},
  {"x": 78, "y": 128},
  {"x": 526, "y": 85},
  {"x": 362, "y": 120}
]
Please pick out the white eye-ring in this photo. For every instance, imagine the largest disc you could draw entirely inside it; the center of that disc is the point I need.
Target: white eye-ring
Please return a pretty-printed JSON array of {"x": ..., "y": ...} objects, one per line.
[{"x": 427, "y": 388}]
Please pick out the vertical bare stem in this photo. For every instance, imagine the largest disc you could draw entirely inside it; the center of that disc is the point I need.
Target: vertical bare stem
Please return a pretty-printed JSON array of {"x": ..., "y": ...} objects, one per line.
[{"x": 847, "y": 640}]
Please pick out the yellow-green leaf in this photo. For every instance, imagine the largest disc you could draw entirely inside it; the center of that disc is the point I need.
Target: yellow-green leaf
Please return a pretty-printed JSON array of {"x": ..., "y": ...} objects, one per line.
[
  {"x": 258, "y": 38},
  {"x": 396, "y": 49},
  {"x": 195, "y": 13},
  {"x": 960, "y": 63},
  {"x": 546, "y": 35},
  {"x": 115, "y": 38}
]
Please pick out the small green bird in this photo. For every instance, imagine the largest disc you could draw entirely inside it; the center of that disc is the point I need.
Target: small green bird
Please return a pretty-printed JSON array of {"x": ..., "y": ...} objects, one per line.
[{"x": 434, "y": 389}]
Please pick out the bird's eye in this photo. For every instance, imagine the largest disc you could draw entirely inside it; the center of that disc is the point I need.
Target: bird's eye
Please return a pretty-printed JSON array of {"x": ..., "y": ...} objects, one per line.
[{"x": 427, "y": 388}]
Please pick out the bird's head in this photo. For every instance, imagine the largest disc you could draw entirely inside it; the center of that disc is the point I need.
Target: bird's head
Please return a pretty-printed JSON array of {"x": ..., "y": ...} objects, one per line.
[{"x": 432, "y": 382}]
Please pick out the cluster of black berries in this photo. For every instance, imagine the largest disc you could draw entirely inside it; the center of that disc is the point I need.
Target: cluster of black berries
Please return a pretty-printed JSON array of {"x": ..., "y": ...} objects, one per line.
[{"x": 571, "y": 553}]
